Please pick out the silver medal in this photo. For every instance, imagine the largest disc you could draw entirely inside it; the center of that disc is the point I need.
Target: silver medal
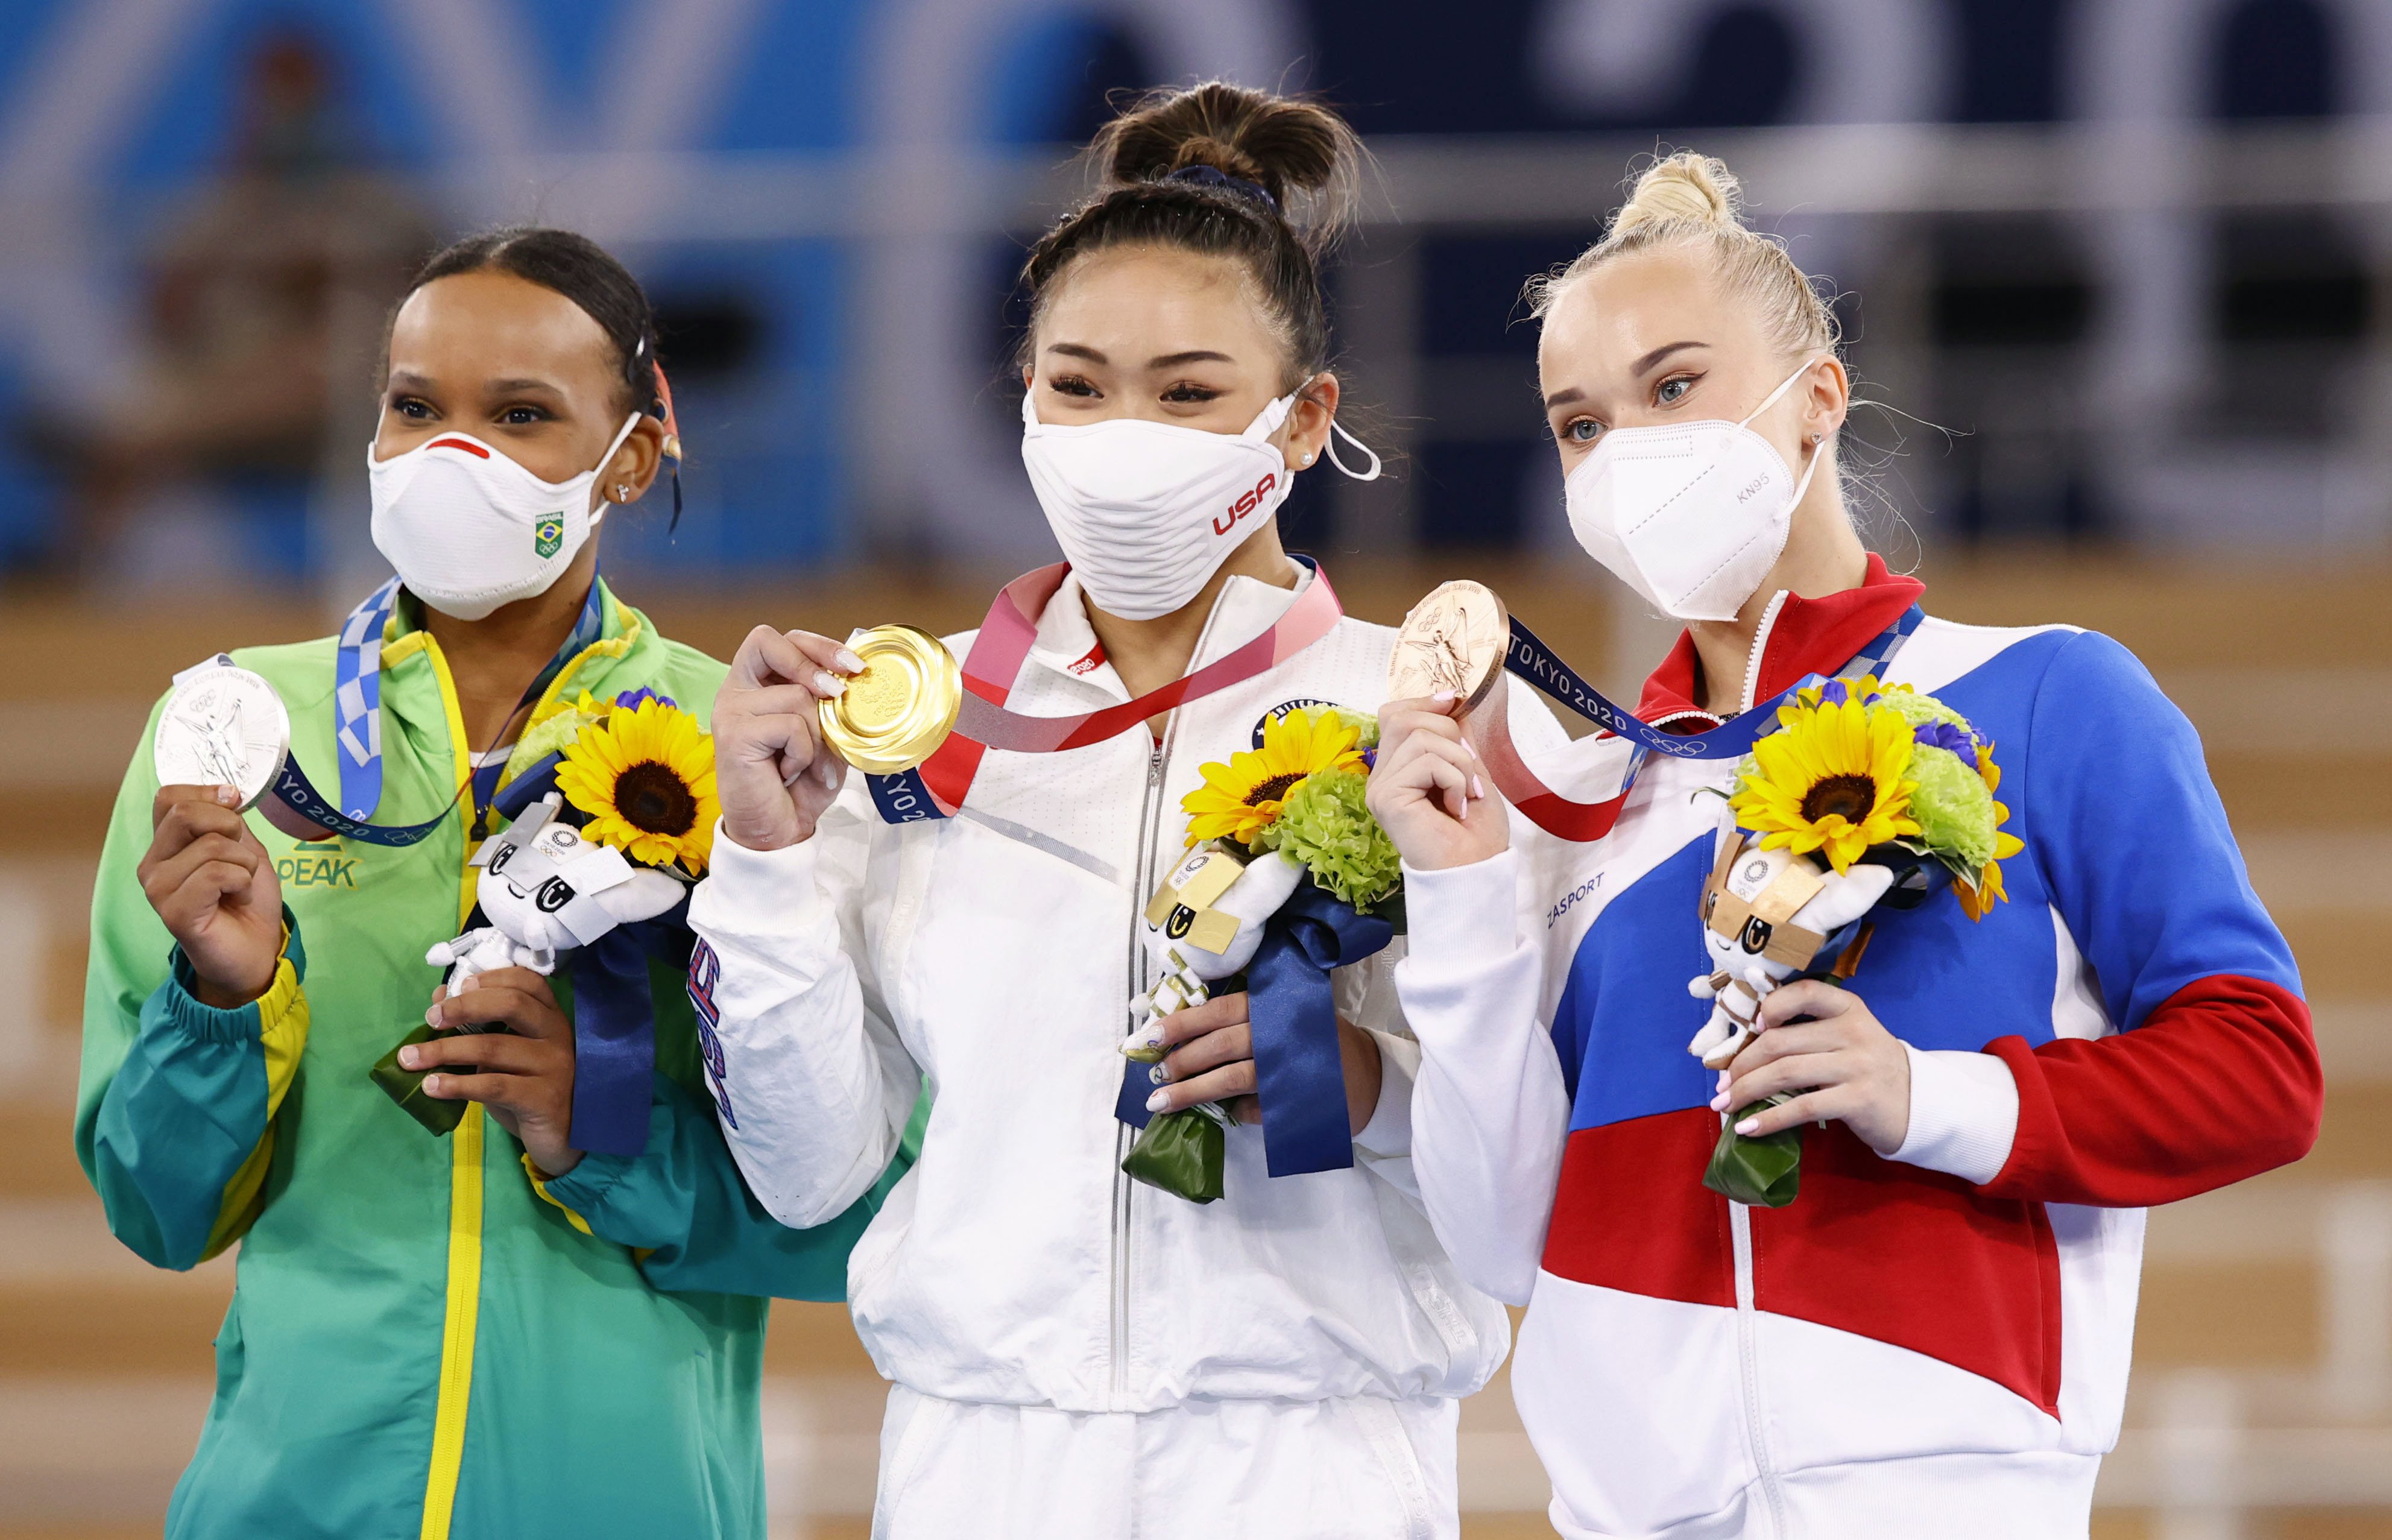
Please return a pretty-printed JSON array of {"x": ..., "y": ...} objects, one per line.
[{"x": 222, "y": 725}]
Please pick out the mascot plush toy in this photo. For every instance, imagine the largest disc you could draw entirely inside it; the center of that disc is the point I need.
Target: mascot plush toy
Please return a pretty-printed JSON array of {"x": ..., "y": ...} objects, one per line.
[
  {"x": 1203, "y": 925},
  {"x": 1767, "y": 915},
  {"x": 545, "y": 889}
]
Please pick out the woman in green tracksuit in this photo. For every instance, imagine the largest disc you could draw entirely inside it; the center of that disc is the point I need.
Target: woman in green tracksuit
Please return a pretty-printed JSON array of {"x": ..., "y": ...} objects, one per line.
[{"x": 488, "y": 1333}]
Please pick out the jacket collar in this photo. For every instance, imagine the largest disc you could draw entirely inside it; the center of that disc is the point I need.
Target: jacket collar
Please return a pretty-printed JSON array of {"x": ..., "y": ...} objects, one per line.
[
  {"x": 1245, "y": 608},
  {"x": 1798, "y": 636}
]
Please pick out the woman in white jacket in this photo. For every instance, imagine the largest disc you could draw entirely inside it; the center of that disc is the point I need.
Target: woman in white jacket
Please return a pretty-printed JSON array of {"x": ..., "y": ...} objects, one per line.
[{"x": 1075, "y": 1353}]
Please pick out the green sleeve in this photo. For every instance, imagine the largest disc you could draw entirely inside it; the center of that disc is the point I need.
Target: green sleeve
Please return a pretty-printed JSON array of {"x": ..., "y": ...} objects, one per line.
[
  {"x": 682, "y": 1201},
  {"x": 173, "y": 1115}
]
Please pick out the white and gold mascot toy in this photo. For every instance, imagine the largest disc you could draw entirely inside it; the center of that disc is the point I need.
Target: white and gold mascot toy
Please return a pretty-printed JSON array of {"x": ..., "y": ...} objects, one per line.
[
  {"x": 1203, "y": 924},
  {"x": 1767, "y": 914}
]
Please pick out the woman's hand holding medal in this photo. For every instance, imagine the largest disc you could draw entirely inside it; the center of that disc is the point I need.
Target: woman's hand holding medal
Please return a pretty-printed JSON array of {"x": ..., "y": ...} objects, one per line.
[
  {"x": 1428, "y": 790},
  {"x": 215, "y": 886},
  {"x": 774, "y": 775}
]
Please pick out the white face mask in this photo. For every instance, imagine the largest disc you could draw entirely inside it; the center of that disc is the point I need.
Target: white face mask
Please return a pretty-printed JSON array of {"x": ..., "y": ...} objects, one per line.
[
  {"x": 1146, "y": 512},
  {"x": 468, "y": 529},
  {"x": 1692, "y": 516}
]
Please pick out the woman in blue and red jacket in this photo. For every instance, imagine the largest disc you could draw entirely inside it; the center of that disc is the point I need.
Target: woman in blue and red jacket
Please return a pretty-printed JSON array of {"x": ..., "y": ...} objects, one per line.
[{"x": 1933, "y": 1338}]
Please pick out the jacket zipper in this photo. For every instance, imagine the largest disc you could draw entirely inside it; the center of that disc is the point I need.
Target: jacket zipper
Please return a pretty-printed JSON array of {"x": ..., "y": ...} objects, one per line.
[
  {"x": 1747, "y": 1352},
  {"x": 1149, "y": 821},
  {"x": 1760, "y": 643}
]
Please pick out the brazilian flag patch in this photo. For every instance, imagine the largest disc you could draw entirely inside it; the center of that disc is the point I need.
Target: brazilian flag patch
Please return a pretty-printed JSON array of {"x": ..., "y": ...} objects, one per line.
[{"x": 548, "y": 535}]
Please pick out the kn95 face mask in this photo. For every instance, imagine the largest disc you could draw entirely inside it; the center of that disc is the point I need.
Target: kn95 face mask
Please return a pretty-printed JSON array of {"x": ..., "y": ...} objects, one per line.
[
  {"x": 1692, "y": 516},
  {"x": 468, "y": 529},
  {"x": 1146, "y": 512}
]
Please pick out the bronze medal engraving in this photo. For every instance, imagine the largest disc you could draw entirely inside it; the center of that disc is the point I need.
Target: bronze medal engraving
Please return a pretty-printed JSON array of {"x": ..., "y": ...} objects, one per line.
[{"x": 1453, "y": 640}]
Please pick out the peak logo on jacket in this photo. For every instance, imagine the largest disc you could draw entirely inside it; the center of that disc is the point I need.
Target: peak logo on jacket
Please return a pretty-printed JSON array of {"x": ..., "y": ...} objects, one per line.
[
  {"x": 1228, "y": 518},
  {"x": 318, "y": 865}
]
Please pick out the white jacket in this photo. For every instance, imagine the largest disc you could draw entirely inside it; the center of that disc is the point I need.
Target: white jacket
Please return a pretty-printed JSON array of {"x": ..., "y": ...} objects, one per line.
[{"x": 994, "y": 955}]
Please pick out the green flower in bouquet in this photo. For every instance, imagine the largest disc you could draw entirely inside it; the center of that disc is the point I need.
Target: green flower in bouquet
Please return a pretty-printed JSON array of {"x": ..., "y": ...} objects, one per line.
[
  {"x": 1954, "y": 808},
  {"x": 1324, "y": 827}
]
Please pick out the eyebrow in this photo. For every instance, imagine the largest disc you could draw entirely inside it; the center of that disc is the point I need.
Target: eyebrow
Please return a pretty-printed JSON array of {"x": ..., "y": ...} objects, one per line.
[
  {"x": 1073, "y": 350},
  {"x": 1644, "y": 364},
  {"x": 1563, "y": 397},
  {"x": 507, "y": 386},
  {"x": 1194, "y": 355}
]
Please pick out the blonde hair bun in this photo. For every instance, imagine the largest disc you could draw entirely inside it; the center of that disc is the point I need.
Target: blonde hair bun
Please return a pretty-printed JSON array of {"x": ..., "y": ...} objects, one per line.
[{"x": 1683, "y": 189}]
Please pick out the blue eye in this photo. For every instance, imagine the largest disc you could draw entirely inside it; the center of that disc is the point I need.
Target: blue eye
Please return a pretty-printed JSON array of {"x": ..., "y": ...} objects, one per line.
[
  {"x": 1582, "y": 430},
  {"x": 1672, "y": 390}
]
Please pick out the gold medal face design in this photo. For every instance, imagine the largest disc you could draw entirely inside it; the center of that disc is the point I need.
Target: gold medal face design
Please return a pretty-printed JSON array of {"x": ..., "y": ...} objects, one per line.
[
  {"x": 1454, "y": 640},
  {"x": 898, "y": 710}
]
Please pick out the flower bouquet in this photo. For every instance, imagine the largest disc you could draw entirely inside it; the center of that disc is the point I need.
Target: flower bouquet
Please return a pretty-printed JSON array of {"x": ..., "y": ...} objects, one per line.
[
  {"x": 1287, "y": 875},
  {"x": 1860, "y": 796},
  {"x": 623, "y": 825}
]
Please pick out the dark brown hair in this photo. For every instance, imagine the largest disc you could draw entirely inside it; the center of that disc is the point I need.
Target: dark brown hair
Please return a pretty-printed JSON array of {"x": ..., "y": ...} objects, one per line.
[
  {"x": 582, "y": 272},
  {"x": 1223, "y": 171}
]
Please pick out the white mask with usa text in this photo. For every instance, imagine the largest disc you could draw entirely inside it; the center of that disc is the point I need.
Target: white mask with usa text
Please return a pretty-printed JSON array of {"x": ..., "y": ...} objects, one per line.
[
  {"x": 1146, "y": 512},
  {"x": 467, "y": 529},
  {"x": 1692, "y": 516}
]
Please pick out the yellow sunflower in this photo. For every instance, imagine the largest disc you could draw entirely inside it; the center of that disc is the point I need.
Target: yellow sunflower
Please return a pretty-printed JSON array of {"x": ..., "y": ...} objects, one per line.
[
  {"x": 646, "y": 776},
  {"x": 1830, "y": 780},
  {"x": 1241, "y": 799},
  {"x": 1978, "y": 899}
]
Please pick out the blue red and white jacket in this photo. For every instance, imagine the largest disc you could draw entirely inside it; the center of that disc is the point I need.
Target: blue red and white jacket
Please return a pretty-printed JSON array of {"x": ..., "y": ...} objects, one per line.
[{"x": 1936, "y": 1341}]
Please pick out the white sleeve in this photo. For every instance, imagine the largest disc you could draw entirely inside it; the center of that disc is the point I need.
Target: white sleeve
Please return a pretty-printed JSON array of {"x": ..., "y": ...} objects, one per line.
[
  {"x": 816, "y": 1086},
  {"x": 1366, "y": 995},
  {"x": 1489, "y": 1110},
  {"x": 1964, "y": 1112}
]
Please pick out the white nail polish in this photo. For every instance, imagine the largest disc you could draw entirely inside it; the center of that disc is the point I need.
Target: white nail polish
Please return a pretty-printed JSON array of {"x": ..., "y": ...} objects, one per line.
[
  {"x": 849, "y": 661},
  {"x": 1478, "y": 791},
  {"x": 1158, "y": 1101},
  {"x": 1444, "y": 698},
  {"x": 829, "y": 683},
  {"x": 1749, "y": 1126},
  {"x": 1156, "y": 1074}
]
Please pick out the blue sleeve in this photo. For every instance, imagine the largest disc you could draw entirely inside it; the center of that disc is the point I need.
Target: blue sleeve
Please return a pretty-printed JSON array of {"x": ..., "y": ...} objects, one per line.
[
  {"x": 2117, "y": 807},
  {"x": 682, "y": 1201}
]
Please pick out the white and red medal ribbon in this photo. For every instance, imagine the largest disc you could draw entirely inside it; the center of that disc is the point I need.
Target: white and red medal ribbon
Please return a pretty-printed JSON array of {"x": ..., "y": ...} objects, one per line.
[{"x": 938, "y": 789}]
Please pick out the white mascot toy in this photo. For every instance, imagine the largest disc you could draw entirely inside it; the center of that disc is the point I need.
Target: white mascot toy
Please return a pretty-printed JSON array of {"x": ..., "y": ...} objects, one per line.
[
  {"x": 1767, "y": 914},
  {"x": 545, "y": 890},
  {"x": 1203, "y": 924}
]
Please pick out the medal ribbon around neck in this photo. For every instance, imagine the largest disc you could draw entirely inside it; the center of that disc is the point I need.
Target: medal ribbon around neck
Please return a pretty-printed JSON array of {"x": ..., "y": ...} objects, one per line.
[
  {"x": 1581, "y": 822},
  {"x": 936, "y": 790},
  {"x": 292, "y": 803}
]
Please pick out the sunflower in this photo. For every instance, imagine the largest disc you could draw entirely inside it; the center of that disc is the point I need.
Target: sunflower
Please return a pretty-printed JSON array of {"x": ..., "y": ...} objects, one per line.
[
  {"x": 1979, "y": 897},
  {"x": 1831, "y": 779},
  {"x": 1241, "y": 799},
  {"x": 646, "y": 776}
]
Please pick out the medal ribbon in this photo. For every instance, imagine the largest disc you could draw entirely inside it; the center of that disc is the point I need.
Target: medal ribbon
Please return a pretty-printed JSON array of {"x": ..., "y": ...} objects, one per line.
[
  {"x": 1558, "y": 816},
  {"x": 292, "y": 803},
  {"x": 938, "y": 789}
]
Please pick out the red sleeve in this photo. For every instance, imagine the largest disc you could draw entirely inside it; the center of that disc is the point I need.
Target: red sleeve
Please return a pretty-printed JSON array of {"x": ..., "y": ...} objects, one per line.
[{"x": 2221, "y": 1081}]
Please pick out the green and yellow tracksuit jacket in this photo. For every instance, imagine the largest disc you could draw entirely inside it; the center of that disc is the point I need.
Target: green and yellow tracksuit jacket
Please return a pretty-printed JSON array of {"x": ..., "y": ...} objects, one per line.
[{"x": 421, "y": 1342}]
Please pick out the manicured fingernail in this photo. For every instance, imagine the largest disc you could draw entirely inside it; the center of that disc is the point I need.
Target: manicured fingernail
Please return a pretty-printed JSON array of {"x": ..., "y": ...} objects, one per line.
[
  {"x": 827, "y": 768},
  {"x": 406, "y": 1058},
  {"x": 1159, "y": 1100},
  {"x": 434, "y": 1085},
  {"x": 432, "y": 1017},
  {"x": 829, "y": 683},
  {"x": 1478, "y": 791},
  {"x": 1718, "y": 1103},
  {"x": 849, "y": 661},
  {"x": 1444, "y": 698},
  {"x": 1749, "y": 1127},
  {"x": 227, "y": 797},
  {"x": 1159, "y": 1075}
]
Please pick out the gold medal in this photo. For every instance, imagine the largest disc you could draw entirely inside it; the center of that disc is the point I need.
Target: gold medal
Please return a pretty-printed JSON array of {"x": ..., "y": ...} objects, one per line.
[
  {"x": 895, "y": 713},
  {"x": 1455, "y": 640}
]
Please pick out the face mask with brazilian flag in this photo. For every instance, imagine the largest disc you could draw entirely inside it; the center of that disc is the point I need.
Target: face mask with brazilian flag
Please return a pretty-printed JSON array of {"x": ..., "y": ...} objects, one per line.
[{"x": 469, "y": 530}]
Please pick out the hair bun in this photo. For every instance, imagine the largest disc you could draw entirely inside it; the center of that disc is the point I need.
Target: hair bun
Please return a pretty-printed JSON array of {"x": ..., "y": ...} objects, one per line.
[
  {"x": 1297, "y": 150},
  {"x": 1683, "y": 188}
]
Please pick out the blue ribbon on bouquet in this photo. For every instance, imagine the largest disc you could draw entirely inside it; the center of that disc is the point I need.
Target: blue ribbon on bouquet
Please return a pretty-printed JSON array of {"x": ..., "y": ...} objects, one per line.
[{"x": 1299, "y": 1070}]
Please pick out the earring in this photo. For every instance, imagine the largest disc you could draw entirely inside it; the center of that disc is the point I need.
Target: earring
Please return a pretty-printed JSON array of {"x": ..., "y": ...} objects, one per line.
[
  {"x": 623, "y": 489},
  {"x": 1307, "y": 459}
]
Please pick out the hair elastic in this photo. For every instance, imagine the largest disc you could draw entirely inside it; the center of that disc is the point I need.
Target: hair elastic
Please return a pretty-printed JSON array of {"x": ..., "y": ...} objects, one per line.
[{"x": 1213, "y": 176}]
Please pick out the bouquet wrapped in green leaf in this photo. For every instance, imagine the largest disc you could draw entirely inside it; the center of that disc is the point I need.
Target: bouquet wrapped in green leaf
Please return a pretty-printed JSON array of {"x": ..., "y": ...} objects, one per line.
[
  {"x": 1859, "y": 797},
  {"x": 1286, "y": 818}
]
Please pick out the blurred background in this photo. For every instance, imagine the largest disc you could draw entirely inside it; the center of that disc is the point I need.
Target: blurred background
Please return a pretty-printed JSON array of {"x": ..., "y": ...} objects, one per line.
[{"x": 2116, "y": 270}]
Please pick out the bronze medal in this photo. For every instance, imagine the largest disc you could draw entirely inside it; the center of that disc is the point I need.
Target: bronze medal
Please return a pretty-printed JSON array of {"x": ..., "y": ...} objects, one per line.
[{"x": 1454, "y": 640}]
